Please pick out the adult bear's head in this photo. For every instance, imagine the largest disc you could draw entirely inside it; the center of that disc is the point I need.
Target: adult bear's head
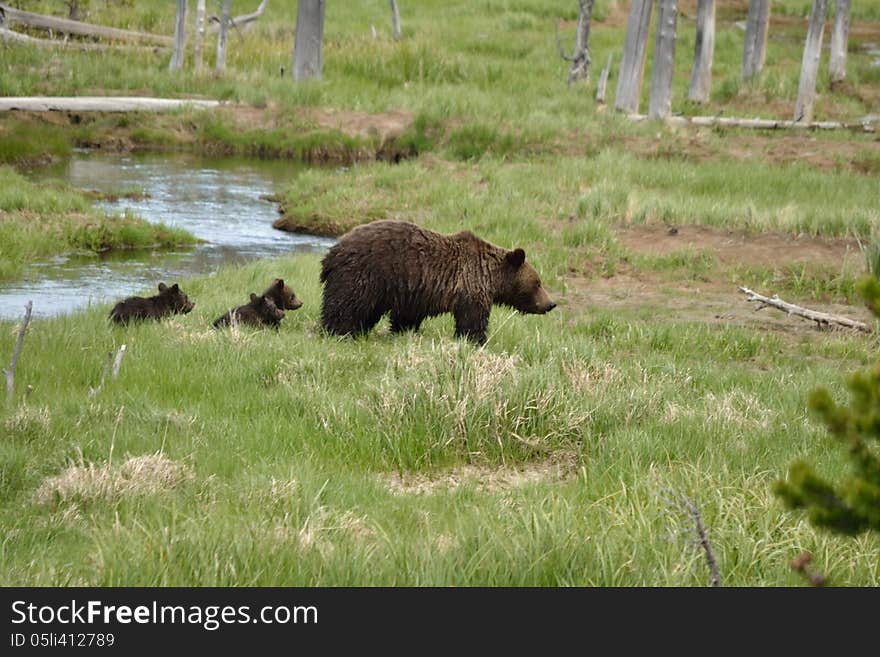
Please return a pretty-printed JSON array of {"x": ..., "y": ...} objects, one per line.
[{"x": 520, "y": 286}]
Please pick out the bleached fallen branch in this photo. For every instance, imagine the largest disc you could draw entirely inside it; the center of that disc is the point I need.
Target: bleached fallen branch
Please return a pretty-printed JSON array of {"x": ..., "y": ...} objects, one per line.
[
  {"x": 67, "y": 26},
  {"x": 100, "y": 104},
  {"x": 16, "y": 37},
  {"x": 16, "y": 351},
  {"x": 868, "y": 124},
  {"x": 820, "y": 318},
  {"x": 242, "y": 22}
]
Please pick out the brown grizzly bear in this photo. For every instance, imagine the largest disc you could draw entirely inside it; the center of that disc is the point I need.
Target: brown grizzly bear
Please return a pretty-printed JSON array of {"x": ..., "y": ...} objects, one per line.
[
  {"x": 261, "y": 311},
  {"x": 283, "y": 296},
  {"x": 398, "y": 268},
  {"x": 169, "y": 301}
]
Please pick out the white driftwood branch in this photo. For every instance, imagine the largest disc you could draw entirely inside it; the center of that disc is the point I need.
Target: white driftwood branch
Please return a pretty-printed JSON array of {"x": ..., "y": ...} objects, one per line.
[
  {"x": 16, "y": 352},
  {"x": 16, "y": 37},
  {"x": 868, "y": 124},
  {"x": 242, "y": 22},
  {"x": 820, "y": 318},
  {"x": 117, "y": 362},
  {"x": 100, "y": 104},
  {"x": 67, "y": 26}
]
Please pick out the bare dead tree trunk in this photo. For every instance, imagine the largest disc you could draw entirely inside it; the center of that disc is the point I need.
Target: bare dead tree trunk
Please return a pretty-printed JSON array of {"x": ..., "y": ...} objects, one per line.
[
  {"x": 839, "y": 37},
  {"x": 603, "y": 81},
  {"x": 309, "y": 40},
  {"x": 803, "y": 109},
  {"x": 755, "y": 47},
  {"x": 580, "y": 57},
  {"x": 220, "y": 66},
  {"x": 178, "y": 54},
  {"x": 632, "y": 64},
  {"x": 660, "y": 102},
  {"x": 704, "y": 52},
  {"x": 395, "y": 20},
  {"x": 16, "y": 351},
  {"x": 200, "y": 34}
]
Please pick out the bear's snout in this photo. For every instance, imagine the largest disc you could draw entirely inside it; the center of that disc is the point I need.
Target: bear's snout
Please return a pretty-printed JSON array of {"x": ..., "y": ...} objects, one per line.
[{"x": 551, "y": 306}]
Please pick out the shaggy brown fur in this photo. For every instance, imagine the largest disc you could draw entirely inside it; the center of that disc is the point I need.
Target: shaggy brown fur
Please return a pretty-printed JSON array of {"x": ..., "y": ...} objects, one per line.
[
  {"x": 169, "y": 301},
  {"x": 283, "y": 296},
  {"x": 261, "y": 311},
  {"x": 398, "y": 268}
]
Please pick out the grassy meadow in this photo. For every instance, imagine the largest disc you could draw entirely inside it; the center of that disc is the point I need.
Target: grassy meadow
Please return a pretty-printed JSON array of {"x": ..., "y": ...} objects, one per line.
[{"x": 551, "y": 456}]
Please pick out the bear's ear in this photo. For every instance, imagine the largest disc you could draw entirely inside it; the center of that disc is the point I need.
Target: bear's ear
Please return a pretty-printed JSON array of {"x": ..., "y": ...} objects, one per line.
[
  {"x": 162, "y": 287},
  {"x": 279, "y": 283},
  {"x": 254, "y": 297},
  {"x": 174, "y": 288},
  {"x": 516, "y": 258}
]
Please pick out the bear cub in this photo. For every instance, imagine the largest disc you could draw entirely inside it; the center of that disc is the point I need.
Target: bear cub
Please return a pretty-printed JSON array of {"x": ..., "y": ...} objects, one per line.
[
  {"x": 282, "y": 295},
  {"x": 261, "y": 311},
  {"x": 169, "y": 301}
]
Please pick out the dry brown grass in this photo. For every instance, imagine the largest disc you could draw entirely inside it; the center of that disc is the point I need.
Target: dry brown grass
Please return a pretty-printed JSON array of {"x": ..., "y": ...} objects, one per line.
[
  {"x": 558, "y": 467},
  {"x": 149, "y": 474}
]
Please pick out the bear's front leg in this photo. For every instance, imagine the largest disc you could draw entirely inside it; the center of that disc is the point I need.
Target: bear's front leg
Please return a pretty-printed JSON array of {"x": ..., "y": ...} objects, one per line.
[{"x": 471, "y": 322}]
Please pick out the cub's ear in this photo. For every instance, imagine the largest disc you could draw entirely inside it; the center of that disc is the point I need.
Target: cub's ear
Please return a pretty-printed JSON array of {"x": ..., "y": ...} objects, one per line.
[
  {"x": 162, "y": 287},
  {"x": 254, "y": 297},
  {"x": 174, "y": 288},
  {"x": 516, "y": 257},
  {"x": 278, "y": 282}
]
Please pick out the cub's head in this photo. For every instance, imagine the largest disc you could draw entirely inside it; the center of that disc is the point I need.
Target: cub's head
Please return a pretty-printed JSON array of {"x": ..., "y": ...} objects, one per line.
[
  {"x": 521, "y": 286},
  {"x": 175, "y": 298},
  {"x": 283, "y": 295},
  {"x": 266, "y": 308}
]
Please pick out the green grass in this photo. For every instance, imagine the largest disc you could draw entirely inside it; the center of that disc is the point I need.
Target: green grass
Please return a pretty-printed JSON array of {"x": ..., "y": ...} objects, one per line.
[
  {"x": 293, "y": 458},
  {"x": 38, "y": 220},
  {"x": 487, "y": 71},
  {"x": 287, "y": 457}
]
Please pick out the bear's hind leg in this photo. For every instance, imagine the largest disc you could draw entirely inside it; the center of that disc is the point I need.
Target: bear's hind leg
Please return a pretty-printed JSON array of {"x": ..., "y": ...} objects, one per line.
[{"x": 401, "y": 323}]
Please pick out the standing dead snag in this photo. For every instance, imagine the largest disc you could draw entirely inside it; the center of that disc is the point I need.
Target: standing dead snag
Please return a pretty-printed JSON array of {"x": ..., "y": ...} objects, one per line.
[
  {"x": 660, "y": 103},
  {"x": 839, "y": 36},
  {"x": 16, "y": 352},
  {"x": 821, "y": 319},
  {"x": 178, "y": 54},
  {"x": 632, "y": 63},
  {"x": 603, "y": 81},
  {"x": 395, "y": 20},
  {"x": 199, "y": 34},
  {"x": 755, "y": 46},
  {"x": 803, "y": 109},
  {"x": 308, "y": 41},
  {"x": 580, "y": 57},
  {"x": 704, "y": 52},
  {"x": 221, "y": 38},
  {"x": 682, "y": 505}
]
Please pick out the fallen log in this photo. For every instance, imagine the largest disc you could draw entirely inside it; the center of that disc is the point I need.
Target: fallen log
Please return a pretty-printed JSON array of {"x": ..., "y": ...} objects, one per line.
[
  {"x": 100, "y": 104},
  {"x": 822, "y": 319},
  {"x": 16, "y": 37},
  {"x": 67, "y": 26},
  {"x": 868, "y": 124}
]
